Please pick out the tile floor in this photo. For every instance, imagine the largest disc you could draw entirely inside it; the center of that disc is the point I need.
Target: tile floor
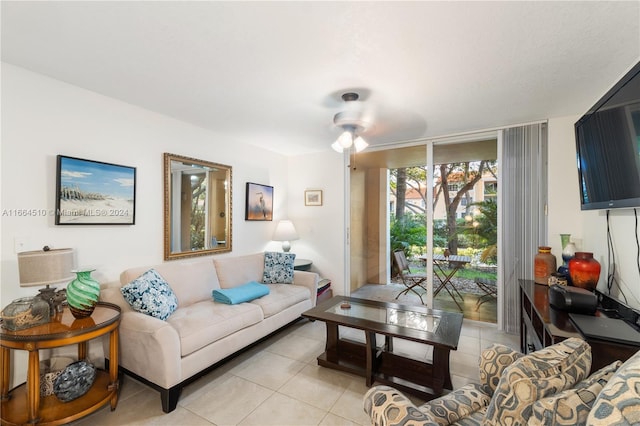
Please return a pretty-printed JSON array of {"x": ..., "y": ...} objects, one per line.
[{"x": 278, "y": 382}]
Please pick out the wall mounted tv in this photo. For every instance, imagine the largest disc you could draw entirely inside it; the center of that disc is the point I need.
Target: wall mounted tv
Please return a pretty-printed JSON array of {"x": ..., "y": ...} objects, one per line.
[{"x": 608, "y": 147}]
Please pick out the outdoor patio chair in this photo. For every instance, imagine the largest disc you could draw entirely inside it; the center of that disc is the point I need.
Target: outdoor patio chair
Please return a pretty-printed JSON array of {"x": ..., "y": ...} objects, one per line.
[
  {"x": 409, "y": 279},
  {"x": 489, "y": 288}
]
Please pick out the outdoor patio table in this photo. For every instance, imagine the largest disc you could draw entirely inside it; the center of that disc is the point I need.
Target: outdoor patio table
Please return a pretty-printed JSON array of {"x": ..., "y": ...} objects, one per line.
[{"x": 445, "y": 277}]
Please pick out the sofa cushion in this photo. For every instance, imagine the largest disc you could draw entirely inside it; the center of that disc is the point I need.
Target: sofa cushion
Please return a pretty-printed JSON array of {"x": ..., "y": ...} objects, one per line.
[
  {"x": 191, "y": 281},
  {"x": 237, "y": 270},
  {"x": 537, "y": 375},
  {"x": 206, "y": 322},
  {"x": 572, "y": 406},
  {"x": 151, "y": 295},
  {"x": 619, "y": 401},
  {"x": 280, "y": 297},
  {"x": 493, "y": 361},
  {"x": 278, "y": 268}
]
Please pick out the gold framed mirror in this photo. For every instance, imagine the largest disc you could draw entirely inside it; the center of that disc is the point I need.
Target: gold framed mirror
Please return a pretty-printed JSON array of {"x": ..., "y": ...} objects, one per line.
[{"x": 197, "y": 207}]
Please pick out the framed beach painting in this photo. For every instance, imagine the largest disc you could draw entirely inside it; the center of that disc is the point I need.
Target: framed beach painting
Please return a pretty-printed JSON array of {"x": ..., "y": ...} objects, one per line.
[
  {"x": 259, "y": 202},
  {"x": 94, "y": 193}
]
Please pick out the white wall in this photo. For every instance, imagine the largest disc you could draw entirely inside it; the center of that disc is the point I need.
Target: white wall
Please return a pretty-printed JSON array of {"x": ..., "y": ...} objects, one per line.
[
  {"x": 588, "y": 228},
  {"x": 565, "y": 216},
  {"x": 321, "y": 228},
  {"x": 42, "y": 118}
]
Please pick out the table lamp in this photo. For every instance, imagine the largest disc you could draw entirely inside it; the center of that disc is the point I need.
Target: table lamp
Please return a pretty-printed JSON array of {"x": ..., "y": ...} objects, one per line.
[
  {"x": 44, "y": 268},
  {"x": 285, "y": 232}
]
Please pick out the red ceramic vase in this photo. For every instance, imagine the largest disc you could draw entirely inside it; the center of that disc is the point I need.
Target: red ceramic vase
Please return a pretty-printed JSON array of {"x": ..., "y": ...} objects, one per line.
[{"x": 584, "y": 270}]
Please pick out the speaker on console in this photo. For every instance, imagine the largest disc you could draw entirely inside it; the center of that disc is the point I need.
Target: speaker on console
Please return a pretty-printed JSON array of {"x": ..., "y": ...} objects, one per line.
[{"x": 573, "y": 299}]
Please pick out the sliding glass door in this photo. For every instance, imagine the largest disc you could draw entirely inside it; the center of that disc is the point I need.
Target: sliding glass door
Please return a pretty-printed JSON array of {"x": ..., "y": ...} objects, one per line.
[
  {"x": 428, "y": 199},
  {"x": 488, "y": 203}
]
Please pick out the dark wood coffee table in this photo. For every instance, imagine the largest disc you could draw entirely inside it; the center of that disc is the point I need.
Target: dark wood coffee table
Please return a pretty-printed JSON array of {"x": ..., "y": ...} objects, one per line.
[{"x": 420, "y": 324}]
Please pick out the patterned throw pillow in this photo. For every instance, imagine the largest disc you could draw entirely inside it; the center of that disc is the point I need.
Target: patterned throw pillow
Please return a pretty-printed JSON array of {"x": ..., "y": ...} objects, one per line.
[
  {"x": 151, "y": 295},
  {"x": 605, "y": 373},
  {"x": 493, "y": 361},
  {"x": 278, "y": 268},
  {"x": 537, "y": 375},
  {"x": 619, "y": 402},
  {"x": 572, "y": 406}
]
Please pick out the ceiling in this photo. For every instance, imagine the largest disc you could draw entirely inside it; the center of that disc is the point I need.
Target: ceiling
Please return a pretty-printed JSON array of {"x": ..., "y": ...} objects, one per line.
[{"x": 271, "y": 74}]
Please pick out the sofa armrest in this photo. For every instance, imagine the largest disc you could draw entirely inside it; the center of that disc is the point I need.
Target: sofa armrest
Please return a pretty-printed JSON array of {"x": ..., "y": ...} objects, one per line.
[
  {"x": 457, "y": 405},
  {"x": 309, "y": 280},
  {"x": 388, "y": 407},
  {"x": 110, "y": 292},
  {"x": 150, "y": 348}
]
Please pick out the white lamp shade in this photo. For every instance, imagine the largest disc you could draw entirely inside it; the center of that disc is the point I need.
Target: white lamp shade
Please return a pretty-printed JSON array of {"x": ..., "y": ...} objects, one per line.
[
  {"x": 285, "y": 231},
  {"x": 345, "y": 139},
  {"x": 40, "y": 268},
  {"x": 348, "y": 139},
  {"x": 360, "y": 144},
  {"x": 337, "y": 147}
]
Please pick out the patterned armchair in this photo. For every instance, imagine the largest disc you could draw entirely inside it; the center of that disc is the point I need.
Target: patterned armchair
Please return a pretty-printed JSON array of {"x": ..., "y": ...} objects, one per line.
[
  {"x": 547, "y": 387},
  {"x": 619, "y": 402}
]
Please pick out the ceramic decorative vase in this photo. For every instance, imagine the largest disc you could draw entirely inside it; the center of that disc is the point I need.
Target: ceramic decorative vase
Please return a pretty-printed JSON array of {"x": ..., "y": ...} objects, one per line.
[
  {"x": 568, "y": 248},
  {"x": 24, "y": 313},
  {"x": 584, "y": 270},
  {"x": 568, "y": 251},
  {"x": 82, "y": 294},
  {"x": 544, "y": 264},
  {"x": 74, "y": 381}
]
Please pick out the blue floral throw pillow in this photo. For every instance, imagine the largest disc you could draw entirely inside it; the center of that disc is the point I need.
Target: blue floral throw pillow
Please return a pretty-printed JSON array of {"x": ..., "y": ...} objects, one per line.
[
  {"x": 278, "y": 268},
  {"x": 151, "y": 295}
]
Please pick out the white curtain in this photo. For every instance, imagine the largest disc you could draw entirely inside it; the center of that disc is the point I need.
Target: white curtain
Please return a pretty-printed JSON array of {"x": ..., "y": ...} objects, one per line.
[{"x": 524, "y": 204}]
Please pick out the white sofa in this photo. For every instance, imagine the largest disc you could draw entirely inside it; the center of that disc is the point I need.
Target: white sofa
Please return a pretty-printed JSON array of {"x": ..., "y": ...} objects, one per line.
[{"x": 169, "y": 354}]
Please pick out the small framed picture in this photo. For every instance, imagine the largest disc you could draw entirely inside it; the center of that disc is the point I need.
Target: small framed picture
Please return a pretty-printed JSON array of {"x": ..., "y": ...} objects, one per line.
[
  {"x": 313, "y": 197},
  {"x": 259, "y": 202}
]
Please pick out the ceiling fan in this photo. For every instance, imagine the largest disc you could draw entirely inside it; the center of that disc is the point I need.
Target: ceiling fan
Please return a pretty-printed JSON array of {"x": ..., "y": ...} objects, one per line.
[{"x": 353, "y": 123}]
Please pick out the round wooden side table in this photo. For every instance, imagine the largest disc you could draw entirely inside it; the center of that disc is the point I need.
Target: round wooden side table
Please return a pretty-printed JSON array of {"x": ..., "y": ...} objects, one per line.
[{"x": 23, "y": 404}]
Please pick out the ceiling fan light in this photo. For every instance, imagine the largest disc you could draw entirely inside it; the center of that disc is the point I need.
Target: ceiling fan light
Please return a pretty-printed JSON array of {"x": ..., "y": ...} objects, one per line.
[
  {"x": 345, "y": 139},
  {"x": 360, "y": 144},
  {"x": 337, "y": 147}
]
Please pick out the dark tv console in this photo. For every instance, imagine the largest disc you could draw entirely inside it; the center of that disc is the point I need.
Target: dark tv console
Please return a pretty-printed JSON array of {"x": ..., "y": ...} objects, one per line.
[{"x": 541, "y": 325}]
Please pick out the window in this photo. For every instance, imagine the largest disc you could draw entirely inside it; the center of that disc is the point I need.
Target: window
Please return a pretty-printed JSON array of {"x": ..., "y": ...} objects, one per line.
[{"x": 490, "y": 188}]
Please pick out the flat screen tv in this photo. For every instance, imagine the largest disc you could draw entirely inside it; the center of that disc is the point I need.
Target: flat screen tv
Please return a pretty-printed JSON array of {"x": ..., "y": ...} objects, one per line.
[{"x": 608, "y": 147}]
